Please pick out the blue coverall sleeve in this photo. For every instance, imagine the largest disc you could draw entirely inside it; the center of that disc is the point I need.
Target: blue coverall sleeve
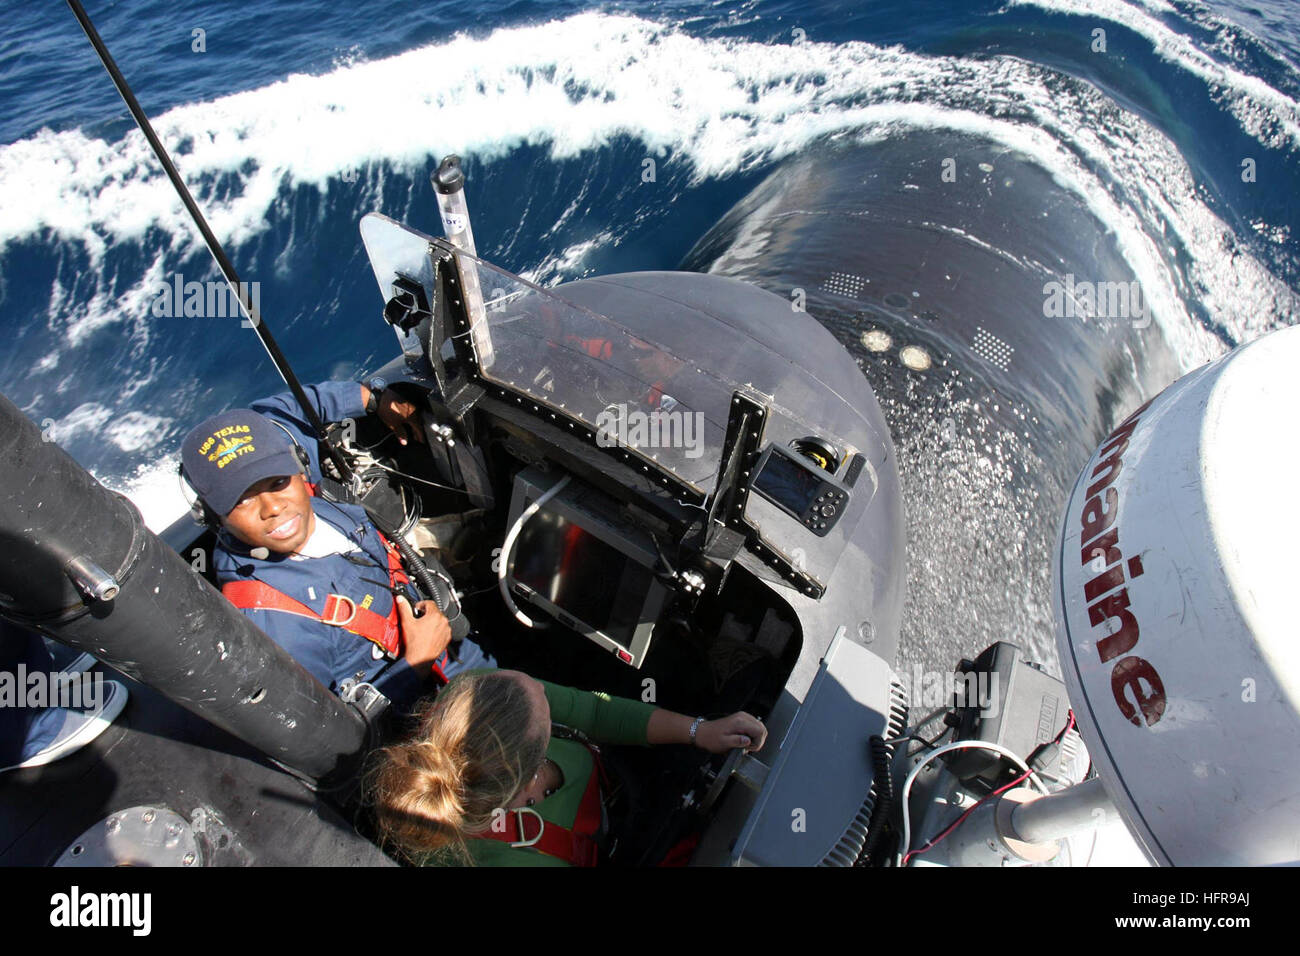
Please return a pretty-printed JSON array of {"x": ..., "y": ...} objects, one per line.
[{"x": 334, "y": 402}]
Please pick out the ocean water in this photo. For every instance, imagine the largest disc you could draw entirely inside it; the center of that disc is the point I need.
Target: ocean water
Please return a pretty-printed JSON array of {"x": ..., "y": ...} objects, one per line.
[{"x": 1181, "y": 138}]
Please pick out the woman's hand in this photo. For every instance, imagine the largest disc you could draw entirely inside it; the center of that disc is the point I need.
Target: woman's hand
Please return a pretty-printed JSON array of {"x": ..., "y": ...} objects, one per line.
[
  {"x": 738, "y": 730},
  {"x": 401, "y": 416}
]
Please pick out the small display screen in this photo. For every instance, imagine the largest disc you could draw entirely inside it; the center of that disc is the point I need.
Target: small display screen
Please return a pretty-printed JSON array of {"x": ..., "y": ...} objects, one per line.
[
  {"x": 787, "y": 483},
  {"x": 582, "y": 575}
]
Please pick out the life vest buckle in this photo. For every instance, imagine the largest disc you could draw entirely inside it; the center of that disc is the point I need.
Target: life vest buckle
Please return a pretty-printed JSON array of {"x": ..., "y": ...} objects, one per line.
[
  {"x": 519, "y": 824},
  {"x": 331, "y": 615}
]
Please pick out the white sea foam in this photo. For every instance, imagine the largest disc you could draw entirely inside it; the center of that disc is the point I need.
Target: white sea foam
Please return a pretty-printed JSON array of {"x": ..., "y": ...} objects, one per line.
[
  {"x": 1267, "y": 114},
  {"x": 137, "y": 431},
  {"x": 155, "y": 489},
  {"x": 1157, "y": 6},
  {"x": 715, "y": 106},
  {"x": 572, "y": 84},
  {"x": 130, "y": 431},
  {"x": 563, "y": 266},
  {"x": 86, "y": 418},
  {"x": 1228, "y": 36}
]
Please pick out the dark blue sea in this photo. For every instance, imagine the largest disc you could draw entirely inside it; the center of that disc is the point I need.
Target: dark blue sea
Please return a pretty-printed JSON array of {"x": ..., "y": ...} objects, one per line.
[{"x": 1181, "y": 137}]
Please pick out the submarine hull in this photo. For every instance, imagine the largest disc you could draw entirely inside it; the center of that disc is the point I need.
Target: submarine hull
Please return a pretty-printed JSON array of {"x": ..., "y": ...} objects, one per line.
[{"x": 942, "y": 281}]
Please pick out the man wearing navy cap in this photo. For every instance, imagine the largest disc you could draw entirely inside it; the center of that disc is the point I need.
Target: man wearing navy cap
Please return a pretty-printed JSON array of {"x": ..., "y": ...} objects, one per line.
[{"x": 309, "y": 572}]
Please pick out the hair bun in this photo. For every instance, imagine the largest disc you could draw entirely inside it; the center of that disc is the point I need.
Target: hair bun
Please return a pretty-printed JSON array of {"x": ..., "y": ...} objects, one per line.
[
  {"x": 474, "y": 748},
  {"x": 438, "y": 763}
]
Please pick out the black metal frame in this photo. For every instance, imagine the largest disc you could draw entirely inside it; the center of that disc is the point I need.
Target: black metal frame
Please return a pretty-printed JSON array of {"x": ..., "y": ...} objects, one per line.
[
  {"x": 740, "y": 451},
  {"x": 452, "y": 298}
]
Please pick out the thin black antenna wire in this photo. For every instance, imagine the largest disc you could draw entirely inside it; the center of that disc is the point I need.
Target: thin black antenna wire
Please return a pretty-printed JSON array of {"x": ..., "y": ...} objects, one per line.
[{"x": 214, "y": 245}]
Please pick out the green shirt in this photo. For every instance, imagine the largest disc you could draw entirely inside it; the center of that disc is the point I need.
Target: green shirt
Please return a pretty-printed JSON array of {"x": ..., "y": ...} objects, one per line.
[{"x": 605, "y": 719}]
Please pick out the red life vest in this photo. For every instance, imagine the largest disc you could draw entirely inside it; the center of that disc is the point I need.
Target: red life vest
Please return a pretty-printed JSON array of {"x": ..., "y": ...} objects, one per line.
[
  {"x": 340, "y": 610},
  {"x": 576, "y": 846},
  {"x": 596, "y": 348},
  {"x": 603, "y": 349}
]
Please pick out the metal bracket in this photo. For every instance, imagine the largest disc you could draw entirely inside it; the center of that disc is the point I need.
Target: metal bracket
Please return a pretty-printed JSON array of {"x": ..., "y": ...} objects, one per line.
[
  {"x": 740, "y": 453},
  {"x": 137, "y": 836},
  {"x": 451, "y": 308},
  {"x": 451, "y": 318},
  {"x": 746, "y": 423},
  {"x": 362, "y": 695}
]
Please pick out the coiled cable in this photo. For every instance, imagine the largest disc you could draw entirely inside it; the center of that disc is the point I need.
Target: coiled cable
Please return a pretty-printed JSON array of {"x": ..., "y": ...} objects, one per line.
[{"x": 881, "y": 759}]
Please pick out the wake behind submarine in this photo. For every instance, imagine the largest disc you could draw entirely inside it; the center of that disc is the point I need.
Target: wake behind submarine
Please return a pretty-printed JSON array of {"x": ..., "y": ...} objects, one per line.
[{"x": 712, "y": 465}]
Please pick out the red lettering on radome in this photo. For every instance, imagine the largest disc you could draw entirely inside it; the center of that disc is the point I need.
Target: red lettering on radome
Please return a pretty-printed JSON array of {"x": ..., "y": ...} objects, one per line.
[
  {"x": 1114, "y": 449},
  {"x": 1095, "y": 518},
  {"x": 1122, "y": 641},
  {"x": 1130, "y": 674},
  {"x": 1135, "y": 684},
  {"x": 1106, "y": 581},
  {"x": 1104, "y": 547}
]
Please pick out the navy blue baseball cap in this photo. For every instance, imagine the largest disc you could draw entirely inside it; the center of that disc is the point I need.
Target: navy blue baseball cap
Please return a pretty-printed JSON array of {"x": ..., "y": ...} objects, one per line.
[{"x": 225, "y": 455}]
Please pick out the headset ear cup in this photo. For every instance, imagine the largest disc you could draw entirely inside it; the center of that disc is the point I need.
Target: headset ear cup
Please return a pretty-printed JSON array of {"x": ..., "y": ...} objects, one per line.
[
  {"x": 199, "y": 510},
  {"x": 203, "y": 515},
  {"x": 187, "y": 492},
  {"x": 304, "y": 460}
]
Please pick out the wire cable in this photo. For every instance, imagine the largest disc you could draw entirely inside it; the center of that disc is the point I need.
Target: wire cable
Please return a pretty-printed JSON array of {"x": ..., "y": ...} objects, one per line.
[
  {"x": 508, "y": 546},
  {"x": 914, "y": 728},
  {"x": 927, "y": 744},
  {"x": 1029, "y": 774},
  {"x": 934, "y": 841},
  {"x": 948, "y": 748},
  {"x": 424, "y": 481}
]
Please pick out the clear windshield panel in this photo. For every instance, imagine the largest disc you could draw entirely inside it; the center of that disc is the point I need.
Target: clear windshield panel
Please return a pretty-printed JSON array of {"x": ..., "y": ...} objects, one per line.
[
  {"x": 395, "y": 250},
  {"x": 634, "y": 392}
]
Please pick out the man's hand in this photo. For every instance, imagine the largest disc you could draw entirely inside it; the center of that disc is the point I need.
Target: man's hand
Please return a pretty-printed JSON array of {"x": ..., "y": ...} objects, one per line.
[
  {"x": 424, "y": 638},
  {"x": 401, "y": 416}
]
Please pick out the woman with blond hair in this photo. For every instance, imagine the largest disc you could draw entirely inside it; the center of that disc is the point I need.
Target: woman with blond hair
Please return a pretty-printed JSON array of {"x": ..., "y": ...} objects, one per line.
[{"x": 484, "y": 780}]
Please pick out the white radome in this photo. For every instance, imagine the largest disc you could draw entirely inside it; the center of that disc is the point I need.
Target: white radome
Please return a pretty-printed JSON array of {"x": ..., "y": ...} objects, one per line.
[{"x": 1177, "y": 591}]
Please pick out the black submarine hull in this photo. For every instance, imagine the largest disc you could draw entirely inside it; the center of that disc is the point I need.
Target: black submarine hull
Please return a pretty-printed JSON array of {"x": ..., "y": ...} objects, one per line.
[{"x": 935, "y": 258}]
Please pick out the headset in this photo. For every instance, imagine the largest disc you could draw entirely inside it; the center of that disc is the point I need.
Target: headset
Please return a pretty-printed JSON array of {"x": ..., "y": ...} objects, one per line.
[{"x": 205, "y": 516}]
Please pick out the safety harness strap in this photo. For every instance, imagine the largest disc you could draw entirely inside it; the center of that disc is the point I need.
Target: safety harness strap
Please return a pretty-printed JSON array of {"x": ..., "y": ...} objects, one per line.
[
  {"x": 576, "y": 846},
  {"x": 340, "y": 610}
]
